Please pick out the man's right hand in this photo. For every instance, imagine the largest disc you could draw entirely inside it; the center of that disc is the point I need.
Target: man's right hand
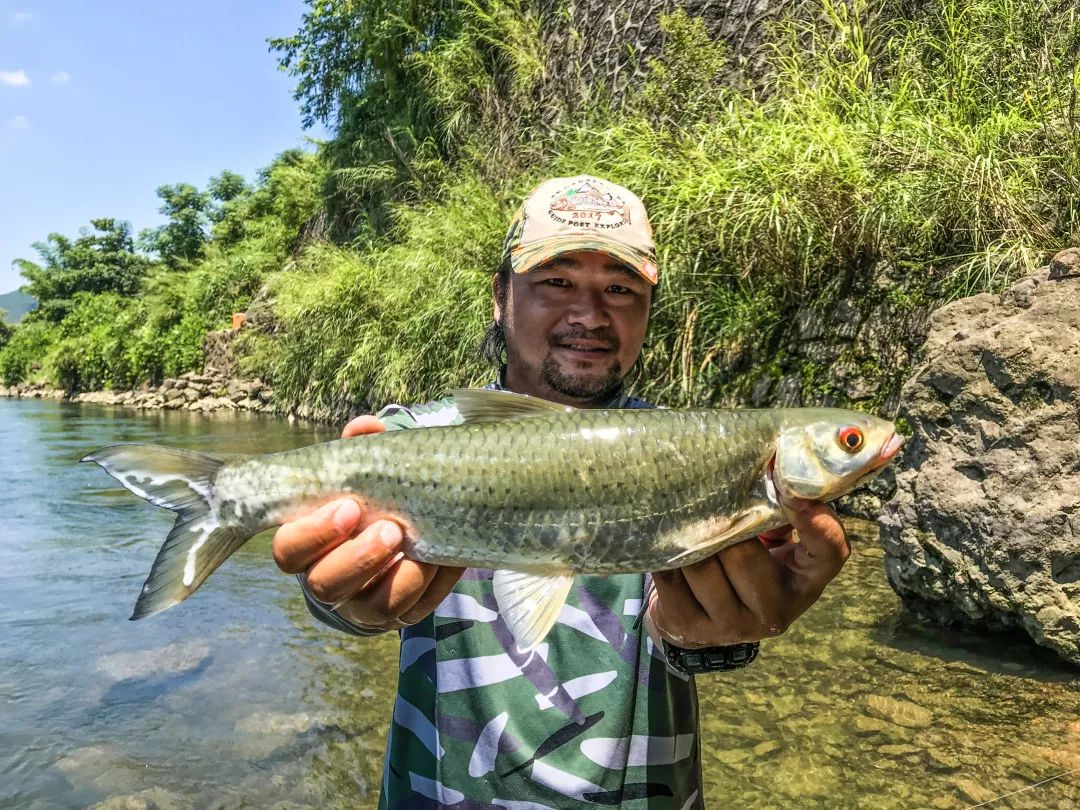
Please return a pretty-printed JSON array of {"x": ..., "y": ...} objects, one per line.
[{"x": 353, "y": 560}]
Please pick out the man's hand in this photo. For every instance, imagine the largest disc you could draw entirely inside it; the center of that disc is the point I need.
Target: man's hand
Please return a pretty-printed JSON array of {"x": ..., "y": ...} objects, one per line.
[
  {"x": 754, "y": 589},
  {"x": 353, "y": 560}
]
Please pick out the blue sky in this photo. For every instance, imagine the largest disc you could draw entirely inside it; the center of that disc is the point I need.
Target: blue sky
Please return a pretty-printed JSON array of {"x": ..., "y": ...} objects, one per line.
[{"x": 102, "y": 102}]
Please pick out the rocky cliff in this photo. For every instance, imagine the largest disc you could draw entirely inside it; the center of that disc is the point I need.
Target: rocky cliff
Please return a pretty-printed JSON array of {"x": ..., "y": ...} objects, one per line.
[{"x": 984, "y": 526}]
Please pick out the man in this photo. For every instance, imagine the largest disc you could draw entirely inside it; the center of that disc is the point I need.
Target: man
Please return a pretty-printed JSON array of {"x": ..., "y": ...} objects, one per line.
[{"x": 603, "y": 712}]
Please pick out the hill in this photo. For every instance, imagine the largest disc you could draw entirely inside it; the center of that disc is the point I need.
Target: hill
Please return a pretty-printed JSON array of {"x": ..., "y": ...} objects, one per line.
[{"x": 15, "y": 304}]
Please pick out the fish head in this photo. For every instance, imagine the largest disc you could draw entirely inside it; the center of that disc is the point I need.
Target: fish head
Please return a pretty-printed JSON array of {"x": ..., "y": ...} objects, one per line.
[{"x": 823, "y": 453}]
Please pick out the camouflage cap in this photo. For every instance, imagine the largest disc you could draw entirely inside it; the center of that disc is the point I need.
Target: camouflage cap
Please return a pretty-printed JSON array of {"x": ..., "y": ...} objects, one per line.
[{"x": 568, "y": 214}]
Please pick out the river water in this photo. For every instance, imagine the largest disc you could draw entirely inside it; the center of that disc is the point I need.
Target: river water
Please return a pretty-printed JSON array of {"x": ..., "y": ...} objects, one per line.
[{"x": 239, "y": 699}]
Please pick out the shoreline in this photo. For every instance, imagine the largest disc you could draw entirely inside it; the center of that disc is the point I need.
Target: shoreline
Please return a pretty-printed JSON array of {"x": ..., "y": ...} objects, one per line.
[{"x": 189, "y": 392}]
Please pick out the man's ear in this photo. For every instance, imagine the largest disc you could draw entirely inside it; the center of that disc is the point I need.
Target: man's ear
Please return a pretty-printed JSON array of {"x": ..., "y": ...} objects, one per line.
[{"x": 497, "y": 316}]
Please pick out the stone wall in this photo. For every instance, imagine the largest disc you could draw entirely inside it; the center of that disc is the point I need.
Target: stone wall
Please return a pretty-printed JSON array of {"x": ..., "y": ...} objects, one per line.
[{"x": 190, "y": 392}]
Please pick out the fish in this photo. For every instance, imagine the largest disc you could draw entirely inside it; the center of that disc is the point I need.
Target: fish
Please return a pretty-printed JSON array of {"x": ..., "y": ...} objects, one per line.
[{"x": 536, "y": 490}]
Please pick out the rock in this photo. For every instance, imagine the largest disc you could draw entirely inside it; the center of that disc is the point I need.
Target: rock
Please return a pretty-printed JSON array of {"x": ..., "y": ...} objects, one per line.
[
  {"x": 984, "y": 527},
  {"x": 899, "y": 712},
  {"x": 973, "y": 791},
  {"x": 173, "y": 394},
  {"x": 765, "y": 748},
  {"x": 732, "y": 756},
  {"x": 190, "y": 394},
  {"x": 865, "y": 726},
  {"x": 1065, "y": 264},
  {"x": 278, "y": 723},
  {"x": 789, "y": 392},
  {"x": 942, "y": 760},
  {"x": 899, "y": 750},
  {"x": 171, "y": 659},
  {"x": 152, "y": 799}
]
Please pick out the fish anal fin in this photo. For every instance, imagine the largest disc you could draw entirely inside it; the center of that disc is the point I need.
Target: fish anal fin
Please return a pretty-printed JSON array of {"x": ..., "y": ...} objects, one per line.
[
  {"x": 530, "y": 603},
  {"x": 742, "y": 527},
  {"x": 485, "y": 405}
]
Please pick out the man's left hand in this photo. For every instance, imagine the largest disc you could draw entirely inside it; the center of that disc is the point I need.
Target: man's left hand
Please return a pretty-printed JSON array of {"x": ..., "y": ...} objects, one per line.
[{"x": 754, "y": 589}]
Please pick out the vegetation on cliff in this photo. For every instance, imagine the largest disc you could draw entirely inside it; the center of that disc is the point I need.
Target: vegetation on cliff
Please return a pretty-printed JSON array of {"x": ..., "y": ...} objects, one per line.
[{"x": 891, "y": 156}]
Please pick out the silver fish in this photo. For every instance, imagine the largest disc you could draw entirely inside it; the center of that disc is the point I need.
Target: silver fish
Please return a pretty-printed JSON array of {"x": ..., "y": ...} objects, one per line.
[{"x": 536, "y": 490}]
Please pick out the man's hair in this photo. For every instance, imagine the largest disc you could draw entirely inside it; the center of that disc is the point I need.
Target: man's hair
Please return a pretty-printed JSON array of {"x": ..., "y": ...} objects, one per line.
[{"x": 493, "y": 345}]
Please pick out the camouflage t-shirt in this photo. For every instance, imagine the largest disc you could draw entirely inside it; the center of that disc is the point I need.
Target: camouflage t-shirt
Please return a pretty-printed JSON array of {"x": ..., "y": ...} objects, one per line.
[{"x": 592, "y": 716}]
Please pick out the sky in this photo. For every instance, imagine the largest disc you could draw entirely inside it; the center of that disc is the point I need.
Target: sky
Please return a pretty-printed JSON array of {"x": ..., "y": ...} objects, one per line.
[{"x": 102, "y": 102}]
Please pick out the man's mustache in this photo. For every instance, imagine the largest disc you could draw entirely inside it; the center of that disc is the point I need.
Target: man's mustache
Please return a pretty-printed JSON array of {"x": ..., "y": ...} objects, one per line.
[{"x": 609, "y": 341}]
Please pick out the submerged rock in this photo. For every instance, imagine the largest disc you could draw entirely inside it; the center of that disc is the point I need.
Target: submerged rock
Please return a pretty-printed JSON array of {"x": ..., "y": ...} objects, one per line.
[{"x": 984, "y": 526}]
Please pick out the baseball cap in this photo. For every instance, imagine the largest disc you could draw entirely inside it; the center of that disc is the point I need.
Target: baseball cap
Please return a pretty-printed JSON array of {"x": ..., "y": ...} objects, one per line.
[{"x": 567, "y": 214}]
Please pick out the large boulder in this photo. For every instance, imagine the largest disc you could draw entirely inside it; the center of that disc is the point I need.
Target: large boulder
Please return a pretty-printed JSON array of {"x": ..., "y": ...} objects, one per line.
[{"x": 984, "y": 526}]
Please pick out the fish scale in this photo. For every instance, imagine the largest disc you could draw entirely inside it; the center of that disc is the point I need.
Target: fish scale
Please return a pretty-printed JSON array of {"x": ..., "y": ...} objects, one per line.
[{"x": 534, "y": 489}]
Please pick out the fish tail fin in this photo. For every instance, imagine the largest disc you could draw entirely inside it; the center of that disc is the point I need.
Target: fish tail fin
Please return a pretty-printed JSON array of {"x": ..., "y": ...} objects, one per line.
[{"x": 183, "y": 482}]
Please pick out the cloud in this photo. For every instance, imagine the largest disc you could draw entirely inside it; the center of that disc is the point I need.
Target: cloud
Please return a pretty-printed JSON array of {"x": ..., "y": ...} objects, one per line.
[
  {"x": 60, "y": 77},
  {"x": 20, "y": 18},
  {"x": 19, "y": 122},
  {"x": 14, "y": 78}
]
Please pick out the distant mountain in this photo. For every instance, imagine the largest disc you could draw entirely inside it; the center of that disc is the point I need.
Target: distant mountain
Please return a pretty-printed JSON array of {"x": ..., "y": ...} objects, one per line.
[{"x": 15, "y": 304}]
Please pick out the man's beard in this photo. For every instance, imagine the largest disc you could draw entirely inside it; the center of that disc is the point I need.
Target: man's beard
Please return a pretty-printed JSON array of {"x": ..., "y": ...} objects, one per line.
[{"x": 580, "y": 386}]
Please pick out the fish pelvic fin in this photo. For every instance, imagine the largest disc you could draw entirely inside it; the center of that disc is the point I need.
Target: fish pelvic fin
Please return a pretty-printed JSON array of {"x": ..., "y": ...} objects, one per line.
[
  {"x": 741, "y": 527},
  {"x": 530, "y": 603},
  {"x": 183, "y": 482}
]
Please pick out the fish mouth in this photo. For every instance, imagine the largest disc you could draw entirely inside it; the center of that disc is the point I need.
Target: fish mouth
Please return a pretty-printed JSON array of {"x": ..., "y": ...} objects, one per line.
[{"x": 890, "y": 449}]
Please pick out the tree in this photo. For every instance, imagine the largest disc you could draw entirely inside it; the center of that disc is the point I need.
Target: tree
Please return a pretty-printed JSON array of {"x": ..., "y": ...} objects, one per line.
[
  {"x": 5, "y": 330},
  {"x": 231, "y": 194},
  {"x": 99, "y": 260},
  {"x": 181, "y": 240}
]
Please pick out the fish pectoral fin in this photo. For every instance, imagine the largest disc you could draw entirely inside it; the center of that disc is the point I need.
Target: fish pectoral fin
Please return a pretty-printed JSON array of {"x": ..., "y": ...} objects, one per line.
[
  {"x": 530, "y": 603},
  {"x": 485, "y": 405},
  {"x": 742, "y": 527}
]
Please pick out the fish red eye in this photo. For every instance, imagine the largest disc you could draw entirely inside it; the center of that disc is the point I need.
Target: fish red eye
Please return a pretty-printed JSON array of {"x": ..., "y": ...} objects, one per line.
[{"x": 851, "y": 439}]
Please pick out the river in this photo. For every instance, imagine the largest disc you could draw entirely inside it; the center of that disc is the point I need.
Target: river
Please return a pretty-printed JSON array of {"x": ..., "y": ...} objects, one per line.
[{"x": 239, "y": 699}]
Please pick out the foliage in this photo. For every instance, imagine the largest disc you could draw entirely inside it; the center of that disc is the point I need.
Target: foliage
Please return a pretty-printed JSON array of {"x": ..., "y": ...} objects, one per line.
[
  {"x": 180, "y": 240},
  {"x": 5, "y": 331},
  {"x": 25, "y": 351},
  {"x": 101, "y": 260}
]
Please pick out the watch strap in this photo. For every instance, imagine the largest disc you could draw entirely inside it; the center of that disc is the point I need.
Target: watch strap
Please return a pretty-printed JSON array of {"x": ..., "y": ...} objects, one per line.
[{"x": 710, "y": 659}]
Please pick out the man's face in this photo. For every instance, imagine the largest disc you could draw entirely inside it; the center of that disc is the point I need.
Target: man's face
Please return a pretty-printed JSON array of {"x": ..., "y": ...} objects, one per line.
[{"x": 574, "y": 327}]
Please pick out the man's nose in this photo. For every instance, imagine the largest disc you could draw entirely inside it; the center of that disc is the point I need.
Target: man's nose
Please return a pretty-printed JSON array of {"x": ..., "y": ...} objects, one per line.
[{"x": 588, "y": 310}]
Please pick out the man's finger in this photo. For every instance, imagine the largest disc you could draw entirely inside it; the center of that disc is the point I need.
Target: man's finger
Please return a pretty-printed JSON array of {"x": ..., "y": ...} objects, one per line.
[
  {"x": 362, "y": 425},
  {"x": 759, "y": 585},
  {"x": 823, "y": 545},
  {"x": 300, "y": 542},
  {"x": 391, "y": 595},
  {"x": 711, "y": 588},
  {"x": 351, "y": 565},
  {"x": 436, "y": 592},
  {"x": 675, "y": 610}
]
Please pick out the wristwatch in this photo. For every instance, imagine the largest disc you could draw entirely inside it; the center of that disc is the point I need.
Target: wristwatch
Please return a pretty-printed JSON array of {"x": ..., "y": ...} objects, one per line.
[{"x": 710, "y": 659}]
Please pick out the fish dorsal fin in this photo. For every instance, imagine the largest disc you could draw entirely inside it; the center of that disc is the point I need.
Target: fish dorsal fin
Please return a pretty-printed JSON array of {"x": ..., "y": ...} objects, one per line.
[
  {"x": 530, "y": 603},
  {"x": 485, "y": 405}
]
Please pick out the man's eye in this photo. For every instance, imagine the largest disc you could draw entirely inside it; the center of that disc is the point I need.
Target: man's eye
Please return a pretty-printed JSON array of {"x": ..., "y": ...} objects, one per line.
[
  {"x": 619, "y": 289},
  {"x": 557, "y": 282}
]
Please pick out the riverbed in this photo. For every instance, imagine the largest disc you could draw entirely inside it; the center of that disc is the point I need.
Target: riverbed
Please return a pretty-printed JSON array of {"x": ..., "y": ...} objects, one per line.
[{"x": 239, "y": 699}]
